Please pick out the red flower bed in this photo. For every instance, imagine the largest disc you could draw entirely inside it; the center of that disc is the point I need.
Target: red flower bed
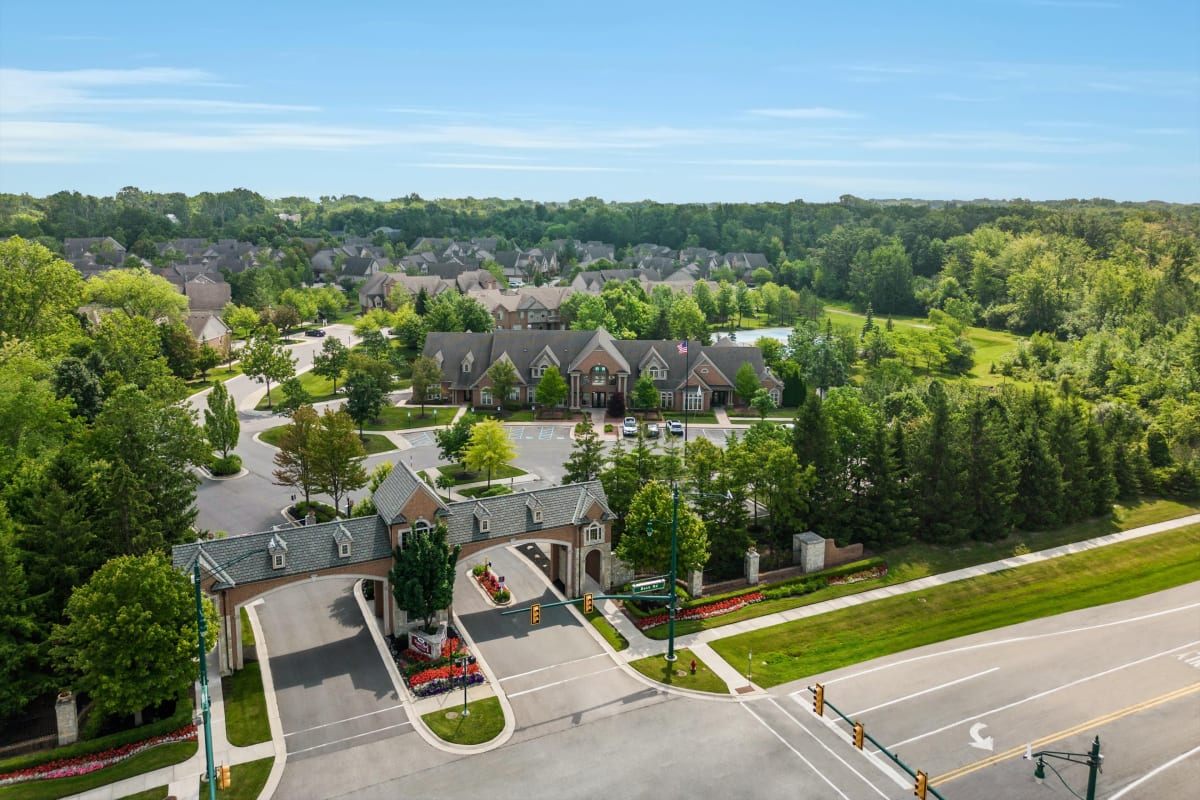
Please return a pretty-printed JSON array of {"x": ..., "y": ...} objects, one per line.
[
  {"x": 714, "y": 609},
  {"x": 81, "y": 765},
  {"x": 442, "y": 679},
  {"x": 488, "y": 581}
]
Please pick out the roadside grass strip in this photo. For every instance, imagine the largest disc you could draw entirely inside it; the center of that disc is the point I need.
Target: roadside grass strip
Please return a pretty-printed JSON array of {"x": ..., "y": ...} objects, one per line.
[
  {"x": 679, "y": 673},
  {"x": 246, "y": 781},
  {"x": 246, "y": 721},
  {"x": 1122, "y": 571},
  {"x": 165, "y": 755},
  {"x": 153, "y": 793},
  {"x": 484, "y": 723},
  {"x": 459, "y": 475},
  {"x": 611, "y": 635}
]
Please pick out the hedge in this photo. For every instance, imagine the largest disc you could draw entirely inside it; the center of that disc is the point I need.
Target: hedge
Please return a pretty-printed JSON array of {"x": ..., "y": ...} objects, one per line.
[{"x": 181, "y": 717}]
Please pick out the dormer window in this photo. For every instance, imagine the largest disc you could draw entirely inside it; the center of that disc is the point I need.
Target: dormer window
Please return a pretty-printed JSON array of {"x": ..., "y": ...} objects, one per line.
[
  {"x": 344, "y": 550},
  {"x": 467, "y": 362},
  {"x": 343, "y": 539},
  {"x": 485, "y": 525},
  {"x": 537, "y": 515},
  {"x": 657, "y": 374},
  {"x": 537, "y": 371},
  {"x": 277, "y": 549}
]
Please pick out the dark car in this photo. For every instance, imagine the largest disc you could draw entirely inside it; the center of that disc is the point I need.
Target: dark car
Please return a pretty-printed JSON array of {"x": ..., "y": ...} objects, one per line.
[
  {"x": 314, "y": 332},
  {"x": 674, "y": 427}
]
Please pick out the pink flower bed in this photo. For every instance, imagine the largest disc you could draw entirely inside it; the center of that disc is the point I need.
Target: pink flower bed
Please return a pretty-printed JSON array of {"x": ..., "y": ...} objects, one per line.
[
  {"x": 449, "y": 648},
  {"x": 81, "y": 765},
  {"x": 493, "y": 587},
  {"x": 714, "y": 609}
]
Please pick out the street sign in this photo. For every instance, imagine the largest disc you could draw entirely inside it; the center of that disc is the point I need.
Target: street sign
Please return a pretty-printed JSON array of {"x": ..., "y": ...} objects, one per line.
[{"x": 649, "y": 585}]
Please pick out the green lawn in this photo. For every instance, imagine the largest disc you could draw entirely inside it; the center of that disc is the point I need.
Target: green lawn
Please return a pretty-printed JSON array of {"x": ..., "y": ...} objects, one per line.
[
  {"x": 485, "y": 722},
  {"x": 920, "y": 560},
  {"x": 692, "y": 416},
  {"x": 476, "y": 491},
  {"x": 611, "y": 635},
  {"x": 372, "y": 442},
  {"x": 659, "y": 669},
  {"x": 779, "y": 413},
  {"x": 247, "y": 631},
  {"x": 522, "y": 415},
  {"x": 319, "y": 390},
  {"x": 399, "y": 418},
  {"x": 458, "y": 473},
  {"x": 245, "y": 706},
  {"x": 246, "y": 781},
  {"x": 1118, "y": 572},
  {"x": 218, "y": 374},
  {"x": 990, "y": 347},
  {"x": 162, "y": 756}
]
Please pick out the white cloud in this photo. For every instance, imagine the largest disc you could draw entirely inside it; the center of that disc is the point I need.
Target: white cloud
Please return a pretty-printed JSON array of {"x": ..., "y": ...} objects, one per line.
[
  {"x": 999, "y": 141},
  {"x": 515, "y": 167},
  {"x": 816, "y": 112},
  {"x": 810, "y": 163}
]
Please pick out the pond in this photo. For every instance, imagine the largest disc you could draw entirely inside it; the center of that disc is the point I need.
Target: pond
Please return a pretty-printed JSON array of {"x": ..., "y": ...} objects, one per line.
[{"x": 750, "y": 337}]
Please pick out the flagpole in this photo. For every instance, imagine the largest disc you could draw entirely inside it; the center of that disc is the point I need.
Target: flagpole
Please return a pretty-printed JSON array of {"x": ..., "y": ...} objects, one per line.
[{"x": 686, "y": 380}]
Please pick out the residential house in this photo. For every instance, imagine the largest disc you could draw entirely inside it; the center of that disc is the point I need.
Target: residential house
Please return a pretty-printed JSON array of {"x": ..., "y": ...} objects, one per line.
[
  {"x": 593, "y": 281},
  {"x": 374, "y": 292},
  {"x": 743, "y": 264},
  {"x": 208, "y": 328},
  {"x": 527, "y": 308},
  {"x": 596, "y": 365},
  {"x": 94, "y": 253},
  {"x": 476, "y": 280}
]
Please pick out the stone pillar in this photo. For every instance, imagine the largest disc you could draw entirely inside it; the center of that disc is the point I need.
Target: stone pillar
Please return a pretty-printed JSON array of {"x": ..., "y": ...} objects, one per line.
[
  {"x": 68, "y": 718},
  {"x": 808, "y": 550},
  {"x": 695, "y": 582},
  {"x": 752, "y": 567}
]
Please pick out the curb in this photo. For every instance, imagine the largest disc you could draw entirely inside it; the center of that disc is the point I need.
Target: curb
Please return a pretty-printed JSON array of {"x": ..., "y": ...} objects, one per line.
[{"x": 268, "y": 681}]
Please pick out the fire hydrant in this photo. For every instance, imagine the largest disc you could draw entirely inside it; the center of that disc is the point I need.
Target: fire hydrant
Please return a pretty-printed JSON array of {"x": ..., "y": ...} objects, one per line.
[{"x": 693, "y": 666}]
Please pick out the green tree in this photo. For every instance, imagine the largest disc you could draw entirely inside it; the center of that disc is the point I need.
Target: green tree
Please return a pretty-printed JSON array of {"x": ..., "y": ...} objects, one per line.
[
  {"x": 989, "y": 471},
  {"x": 143, "y": 487},
  {"x": 746, "y": 382},
  {"x": 552, "y": 389},
  {"x": 337, "y": 456},
  {"x": 39, "y": 294},
  {"x": 489, "y": 448},
  {"x": 130, "y": 635},
  {"x": 762, "y": 403},
  {"x": 687, "y": 320},
  {"x": 503, "y": 376},
  {"x": 422, "y": 576},
  {"x": 425, "y": 374},
  {"x": 645, "y": 394},
  {"x": 587, "y": 455},
  {"x": 131, "y": 350},
  {"x": 364, "y": 399},
  {"x": 937, "y": 472},
  {"x": 139, "y": 293},
  {"x": 333, "y": 360},
  {"x": 267, "y": 360},
  {"x": 221, "y": 424},
  {"x": 18, "y": 646},
  {"x": 1038, "y": 503},
  {"x": 726, "y": 302},
  {"x": 240, "y": 319},
  {"x": 647, "y": 540},
  {"x": 180, "y": 349},
  {"x": 703, "y": 295},
  {"x": 294, "y": 459},
  {"x": 453, "y": 440},
  {"x": 74, "y": 378}
]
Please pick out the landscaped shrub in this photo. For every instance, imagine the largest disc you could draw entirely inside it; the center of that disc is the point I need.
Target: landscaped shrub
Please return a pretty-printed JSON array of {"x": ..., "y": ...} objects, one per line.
[
  {"x": 81, "y": 765},
  {"x": 230, "y": 465}
]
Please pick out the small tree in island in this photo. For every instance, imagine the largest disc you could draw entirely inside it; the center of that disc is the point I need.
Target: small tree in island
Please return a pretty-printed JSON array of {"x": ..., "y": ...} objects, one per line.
[
  {"x": 426, "y": 374},
  {"x": 423, "y": 574},
  {"x": 489, "y": 448},
  {"x": 552, "y": 388}
]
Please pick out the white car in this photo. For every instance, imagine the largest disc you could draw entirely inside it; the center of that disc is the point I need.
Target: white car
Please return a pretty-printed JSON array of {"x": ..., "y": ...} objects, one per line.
[{"x": 629, "y": 427}]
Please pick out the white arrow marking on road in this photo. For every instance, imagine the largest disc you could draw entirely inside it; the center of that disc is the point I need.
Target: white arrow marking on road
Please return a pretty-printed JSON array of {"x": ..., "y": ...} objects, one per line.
[{"x": 979, "y": 741}]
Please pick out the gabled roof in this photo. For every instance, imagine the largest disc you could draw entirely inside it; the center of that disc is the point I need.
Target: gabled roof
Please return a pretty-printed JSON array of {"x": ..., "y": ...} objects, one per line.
[
  {"x": 397, "y": 489},
  {"x": 508, "y": 514},
  {"x": 307, "y": 547},
  {"x": 601, "y": 340}
]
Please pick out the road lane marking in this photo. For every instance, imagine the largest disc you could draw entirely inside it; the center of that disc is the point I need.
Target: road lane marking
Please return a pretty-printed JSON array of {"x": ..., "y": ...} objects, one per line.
[
  {"x": 1054, "y": 737},
  {"x": 1013, "y": 640},
  {"x": 552, "y": 666},
  {"x": 853, "y": 714},
  {"x": 799, "y": 755},
  {"x": 347, "y": 719},
  {"x": 1040, "y": 695},
  {"x": 348, "y": 738},
  {"x": 560, "y": 683},
  {"x": 1154, "y": 772},
  {"x": 831, "y": 752}
]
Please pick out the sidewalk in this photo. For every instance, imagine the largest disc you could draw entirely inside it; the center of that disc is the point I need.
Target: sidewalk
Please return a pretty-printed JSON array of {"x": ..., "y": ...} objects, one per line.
[{"x": 640, "y": 646}]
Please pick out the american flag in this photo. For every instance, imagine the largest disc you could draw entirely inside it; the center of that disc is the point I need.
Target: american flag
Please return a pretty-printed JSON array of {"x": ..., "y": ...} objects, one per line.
[{"x": 682, "y": 347}]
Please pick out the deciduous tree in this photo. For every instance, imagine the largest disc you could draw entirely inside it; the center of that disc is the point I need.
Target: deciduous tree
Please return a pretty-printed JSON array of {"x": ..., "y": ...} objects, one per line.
[
  {"x": 221, "y": 424},
  {"x": 426, "y": 374},
  {"x": 294, "y": 458},
  {"x": 337, "y": 456},
  {"x": 489, "y": 448},
  {"x": 552, "y": 389},
  {"x": 647, "y": 540},
  {"x": 422, "y": 576}
]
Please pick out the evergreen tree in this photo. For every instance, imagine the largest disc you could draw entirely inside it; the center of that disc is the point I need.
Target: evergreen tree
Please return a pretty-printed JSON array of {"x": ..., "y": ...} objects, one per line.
[
  {"x": 18, "y": 668},
  {"x": 989, "y": 471},
  {"x": 937, "y": 473},
  {"x": 221, "y": 424},
  {"x": 1066, "y": 441},
  {"x": 1101, "y": 480},
  {"x": 1038, "y": 504},
  {"x": 587, "y": 455},
  {"x": 883, "y": 516}
]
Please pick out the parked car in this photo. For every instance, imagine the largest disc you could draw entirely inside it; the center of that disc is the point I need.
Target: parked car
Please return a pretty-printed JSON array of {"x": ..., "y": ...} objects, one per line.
[
  {"x": 652, "y": 430},
  {"x": 314, "y": 332},
  {"x": 629, "y": 427},
  {"x": 674, "y": 427}
]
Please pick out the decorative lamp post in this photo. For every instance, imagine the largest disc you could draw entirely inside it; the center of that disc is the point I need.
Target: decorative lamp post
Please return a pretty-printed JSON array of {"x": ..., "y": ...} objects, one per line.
[{"x": 1094, "y": 761}]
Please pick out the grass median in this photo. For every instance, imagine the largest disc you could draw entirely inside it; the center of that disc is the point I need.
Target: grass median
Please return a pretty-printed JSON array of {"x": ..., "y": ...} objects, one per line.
[
  {"x": 246, "y": 720},
  {"x": 485, "y": 722},
  {"x": 679, "y": 674},
  {"x": 246, "y": 781},
  {"x": 1110, "y": 574}
]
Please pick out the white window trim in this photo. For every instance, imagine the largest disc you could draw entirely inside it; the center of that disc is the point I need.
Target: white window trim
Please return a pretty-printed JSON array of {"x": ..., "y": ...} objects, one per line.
[
  {"x": 466, "y": 365},
  {"x": 774, "y": 394},
  {"x": 344, "y": 550},
  {"x": 537, "y": 515},
  {"x": 278, "y": 561},
  {"x": 485, "y": 525},
  {"x": 666, "y": 399},
  {"x": 485, "y": 397},
  {"x": 593, "y": 534},
  {"x": 693, "y": 401}
]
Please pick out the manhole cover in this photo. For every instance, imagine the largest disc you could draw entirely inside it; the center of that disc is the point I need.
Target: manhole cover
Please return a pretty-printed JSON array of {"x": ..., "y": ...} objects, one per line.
[
  {"x": 451, "y": 715},
  {"x": 744, "y": 689}
]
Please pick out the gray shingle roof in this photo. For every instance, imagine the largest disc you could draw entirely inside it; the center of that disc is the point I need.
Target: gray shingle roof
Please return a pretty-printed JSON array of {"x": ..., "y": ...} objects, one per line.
[
  {"x": 307, "y": 549},
  {"x": 395, "y": 492},
  {"x": 512, "y": 514}
]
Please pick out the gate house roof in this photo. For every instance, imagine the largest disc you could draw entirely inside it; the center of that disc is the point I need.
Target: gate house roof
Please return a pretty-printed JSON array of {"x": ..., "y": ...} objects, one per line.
[
  {"x": 310, "y": 548},
  {"x": 511, "y": 515}
]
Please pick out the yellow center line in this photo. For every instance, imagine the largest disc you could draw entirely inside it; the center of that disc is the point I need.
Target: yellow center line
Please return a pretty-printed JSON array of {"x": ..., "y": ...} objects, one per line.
[{"x": 1045, "y": 740}]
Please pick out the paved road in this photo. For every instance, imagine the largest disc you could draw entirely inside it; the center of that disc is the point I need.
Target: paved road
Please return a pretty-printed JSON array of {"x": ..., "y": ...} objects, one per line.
[{"x": 1128, "y": 672}]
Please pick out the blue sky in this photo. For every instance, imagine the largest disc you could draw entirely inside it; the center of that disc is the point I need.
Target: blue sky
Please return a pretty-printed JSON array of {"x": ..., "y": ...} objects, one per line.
[{"x": 676, "y": 102}]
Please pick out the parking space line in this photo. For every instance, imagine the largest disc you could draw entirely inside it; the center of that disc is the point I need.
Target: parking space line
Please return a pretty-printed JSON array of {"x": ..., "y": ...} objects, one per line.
[
  {"x": 545, "y": 432},
  {"x": 515, "y": 433},
  {"x": 1154, "y": 772},
  {"x": 348, "y": 738},
  {"x": 1040, "y": 695},
  {"x": 831, "y": 752},
  {"x": 347, "y": 719}
]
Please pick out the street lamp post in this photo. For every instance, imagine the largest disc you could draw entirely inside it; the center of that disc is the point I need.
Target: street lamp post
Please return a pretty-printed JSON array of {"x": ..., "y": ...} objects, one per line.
[
  {"x": 1093, "y": 760},
  {"x": 463, "y": 663},
  {"x": 205, "y": 712}
]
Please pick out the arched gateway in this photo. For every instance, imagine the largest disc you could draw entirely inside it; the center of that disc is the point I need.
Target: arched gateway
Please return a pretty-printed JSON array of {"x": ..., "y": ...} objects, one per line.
[{"x": 574, "y": 520}]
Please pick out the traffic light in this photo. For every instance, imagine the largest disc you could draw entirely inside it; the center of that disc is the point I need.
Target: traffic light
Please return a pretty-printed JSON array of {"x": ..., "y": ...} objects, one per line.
[
  {"x": 858, "y": 735},
  {"x": 587, "y": 603},
  {"x": 535, "y": 614},
  {"x": 819, "y": 700},
  {"x": 922, "y": 785},
  {"x": 224, "y": 779}
]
